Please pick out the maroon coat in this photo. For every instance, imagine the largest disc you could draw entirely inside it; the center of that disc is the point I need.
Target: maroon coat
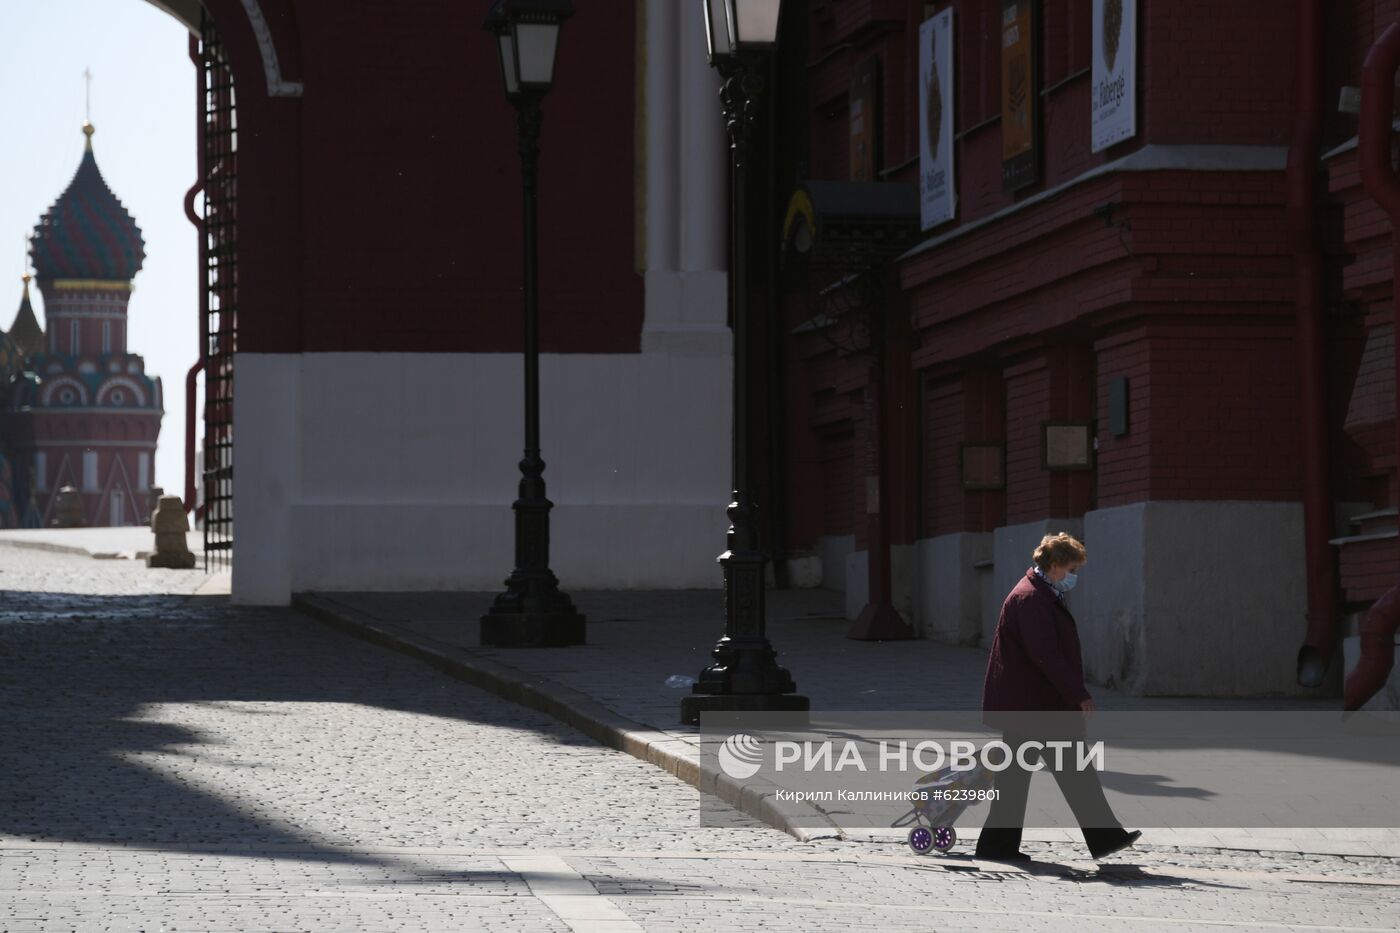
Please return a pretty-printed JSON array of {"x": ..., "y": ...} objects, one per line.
[{"x": 1035, "y": 662}]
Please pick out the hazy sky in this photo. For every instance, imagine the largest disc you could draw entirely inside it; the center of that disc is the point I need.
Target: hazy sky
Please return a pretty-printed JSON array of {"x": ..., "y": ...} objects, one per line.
[{"x": 143, "y": 106}]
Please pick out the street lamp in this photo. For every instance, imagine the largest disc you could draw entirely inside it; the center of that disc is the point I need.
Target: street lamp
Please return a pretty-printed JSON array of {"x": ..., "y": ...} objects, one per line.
[
  {"x": 733, "y": 27},
  {"x": 533, "y": 611},
  {"x": 745, "y": 674}
]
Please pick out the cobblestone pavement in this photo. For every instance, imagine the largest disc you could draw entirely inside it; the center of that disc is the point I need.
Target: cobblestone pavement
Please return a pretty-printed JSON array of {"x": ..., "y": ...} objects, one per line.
[
  {"x": 172, "y": 762},
  {"x": 637, "y": 638}
]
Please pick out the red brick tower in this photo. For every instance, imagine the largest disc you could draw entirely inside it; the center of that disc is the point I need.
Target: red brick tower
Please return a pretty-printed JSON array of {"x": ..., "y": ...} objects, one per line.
[{"x": 86, "y": 414}]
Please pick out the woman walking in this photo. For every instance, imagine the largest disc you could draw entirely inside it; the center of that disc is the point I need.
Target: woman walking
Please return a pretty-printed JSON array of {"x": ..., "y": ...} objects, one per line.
[{"x": 1035, "y": 667}]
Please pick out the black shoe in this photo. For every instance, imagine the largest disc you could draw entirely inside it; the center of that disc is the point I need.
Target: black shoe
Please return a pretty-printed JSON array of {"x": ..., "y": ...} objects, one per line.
[
  {"x": 1118, "y": 845},
  {"x": 1003, "y": 857}
]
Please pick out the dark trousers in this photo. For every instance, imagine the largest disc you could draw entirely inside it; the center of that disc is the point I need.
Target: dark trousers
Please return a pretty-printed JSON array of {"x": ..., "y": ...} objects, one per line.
[{"x": 1002, "y": 833}]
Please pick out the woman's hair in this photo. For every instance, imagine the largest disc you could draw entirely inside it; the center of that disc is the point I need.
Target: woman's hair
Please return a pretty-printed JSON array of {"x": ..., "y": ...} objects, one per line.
[{"x": 1058, "y": 549}]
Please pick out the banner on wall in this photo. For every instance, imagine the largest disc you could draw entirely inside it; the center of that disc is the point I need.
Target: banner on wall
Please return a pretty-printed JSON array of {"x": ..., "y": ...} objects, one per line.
[
  {"x": 1020, "y": 162},
  {"x": 865, "y": 121},
  {"x": 937, "y": 191},
  {"x": 1113, "y": 97}
]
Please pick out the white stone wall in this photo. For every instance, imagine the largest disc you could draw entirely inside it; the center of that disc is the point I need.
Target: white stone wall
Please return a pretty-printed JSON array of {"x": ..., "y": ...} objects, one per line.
[
  {"x": 1194, "y": 598},
  {"x": 1177, "y": 598},
  {"x": 834, "y": 551},
  {"x": 396, "y": 471},
  {"x": 948, "y": 586},
  {"x": 857, "y": 582}
]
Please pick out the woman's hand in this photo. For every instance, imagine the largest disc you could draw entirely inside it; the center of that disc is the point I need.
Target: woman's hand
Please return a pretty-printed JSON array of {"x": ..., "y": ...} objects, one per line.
[{"x": 1087, "y": 706}]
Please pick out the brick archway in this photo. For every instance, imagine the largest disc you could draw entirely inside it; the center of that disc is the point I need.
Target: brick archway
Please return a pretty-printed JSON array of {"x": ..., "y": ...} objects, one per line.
[{"x": 272, "y": 27}]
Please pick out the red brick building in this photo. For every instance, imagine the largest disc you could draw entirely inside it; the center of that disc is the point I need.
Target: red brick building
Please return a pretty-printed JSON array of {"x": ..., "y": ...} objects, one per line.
[{"x": 1177, "y": 345}]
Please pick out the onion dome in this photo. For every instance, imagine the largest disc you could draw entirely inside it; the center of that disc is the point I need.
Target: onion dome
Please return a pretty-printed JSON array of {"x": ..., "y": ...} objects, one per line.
[
  {"x": 25, "y": 333},
  {"x": 88, "y": 234}
]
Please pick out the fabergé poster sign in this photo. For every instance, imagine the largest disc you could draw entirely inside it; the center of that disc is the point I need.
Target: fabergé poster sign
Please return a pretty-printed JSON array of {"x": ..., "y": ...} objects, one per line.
[
  {"x": 1019, "y": 161},
  {"x": 1113, "y": 97},
  {"x": 937, "y": 192}
]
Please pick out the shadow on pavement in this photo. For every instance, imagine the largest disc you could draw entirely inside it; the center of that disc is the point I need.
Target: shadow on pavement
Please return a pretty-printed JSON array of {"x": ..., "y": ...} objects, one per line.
[
  {"x": 1150, "y": 785},
  {"x": 1130, "y": 876},
  {"x": 1125, "y": 875},
  {"x": 86, "y": 757}
]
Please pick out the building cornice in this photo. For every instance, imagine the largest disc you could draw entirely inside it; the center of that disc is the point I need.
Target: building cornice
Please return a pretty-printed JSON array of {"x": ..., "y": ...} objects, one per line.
[
  {"x": 1149, "y": 158},
  {"x": 89, "y": 285},
  {"x": 145, "y": 411},
  {"x": 45, "y": 442}
]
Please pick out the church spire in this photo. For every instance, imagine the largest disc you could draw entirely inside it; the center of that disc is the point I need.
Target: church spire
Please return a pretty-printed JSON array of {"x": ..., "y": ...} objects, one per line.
[
  {"x": 88, "y": 128},
  {"x": 26, "y": 333}
]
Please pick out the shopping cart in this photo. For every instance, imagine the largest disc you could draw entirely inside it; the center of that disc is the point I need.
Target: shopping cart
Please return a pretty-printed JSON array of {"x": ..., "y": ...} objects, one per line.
[{"x": 939, "y": 799}]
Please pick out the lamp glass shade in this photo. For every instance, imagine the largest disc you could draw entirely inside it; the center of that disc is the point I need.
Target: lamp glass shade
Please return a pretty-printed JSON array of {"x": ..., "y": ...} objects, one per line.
[
  {"x": 756, "y": 23},
  {"x": 507, "y": 46},
  {"x": 719, "y": 32},
  {"x": 535, "y": 44}
]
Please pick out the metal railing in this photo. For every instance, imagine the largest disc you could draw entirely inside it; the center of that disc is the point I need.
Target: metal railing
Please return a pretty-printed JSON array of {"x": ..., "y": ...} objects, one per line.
[{"x": 219, "y": 144}]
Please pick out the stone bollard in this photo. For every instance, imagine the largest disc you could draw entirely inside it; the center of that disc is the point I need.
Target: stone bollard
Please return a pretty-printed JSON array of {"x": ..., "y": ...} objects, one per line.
[
  {"x": 67, "y": 508},
  {"x": 170, "y": 526},
  {"x": 154, "y": 503}
]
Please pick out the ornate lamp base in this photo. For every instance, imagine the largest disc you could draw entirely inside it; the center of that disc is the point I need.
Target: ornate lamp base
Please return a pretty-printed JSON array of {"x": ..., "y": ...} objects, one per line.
[
  {"x": 695, "y": 704},
  {"x": 744, "y": 678},
  {"x": 532, "y": 630},
  {"x": 509, "y": 624}
]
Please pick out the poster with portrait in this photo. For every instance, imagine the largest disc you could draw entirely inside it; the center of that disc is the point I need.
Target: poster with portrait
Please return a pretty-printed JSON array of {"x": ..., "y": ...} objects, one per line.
[
  {"x": 1113, "y": 95},
  {"x": 937, "y": 190}
]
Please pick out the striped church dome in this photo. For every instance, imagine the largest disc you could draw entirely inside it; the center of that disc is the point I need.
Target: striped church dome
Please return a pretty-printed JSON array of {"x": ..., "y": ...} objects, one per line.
[{"x": 88, "y": 234}]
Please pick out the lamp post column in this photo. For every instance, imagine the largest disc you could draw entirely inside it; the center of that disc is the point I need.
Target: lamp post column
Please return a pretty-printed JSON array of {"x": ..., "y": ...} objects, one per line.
[
  {"x": 745, "y": 674},
  {"x": 533, "y": 611}
]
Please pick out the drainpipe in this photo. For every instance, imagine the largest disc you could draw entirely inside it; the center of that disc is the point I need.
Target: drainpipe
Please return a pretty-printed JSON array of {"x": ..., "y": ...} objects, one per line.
[
  {"x": 1302, "y": 193},
  {"x": 1373, "y": 153},
  {"x": 192, "y": 377},
  {"x": 879, "y": 620},
  {"x": 1377, "y": 650}
]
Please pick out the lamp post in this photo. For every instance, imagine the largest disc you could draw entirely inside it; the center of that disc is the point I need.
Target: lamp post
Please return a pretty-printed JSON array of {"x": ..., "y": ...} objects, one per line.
[
  {"x": 533, "y": 611},
  {"x": 745, "y": 674}
]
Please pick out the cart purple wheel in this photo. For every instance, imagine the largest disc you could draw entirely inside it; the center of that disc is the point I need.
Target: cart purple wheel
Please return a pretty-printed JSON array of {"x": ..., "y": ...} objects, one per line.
[
  {"x": 921, "y": 840},
  {"x": 944, "y": 838}
]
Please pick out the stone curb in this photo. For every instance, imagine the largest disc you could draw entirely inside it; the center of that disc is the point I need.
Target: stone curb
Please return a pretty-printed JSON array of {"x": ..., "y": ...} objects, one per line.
[
  {"x": 582, "y": 712},
  {"x": 45, "y": 546},
  {"x": 74, "y": 549}
]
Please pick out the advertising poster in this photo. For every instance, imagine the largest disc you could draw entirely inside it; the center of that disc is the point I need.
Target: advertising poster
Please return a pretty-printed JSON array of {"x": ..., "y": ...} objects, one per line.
[
  {"x": 937, "y": 191},
  {"x": 865, "y": 121},
  {"x": 1020, "y": 165},
  {"x": 1113, "y": 96}
]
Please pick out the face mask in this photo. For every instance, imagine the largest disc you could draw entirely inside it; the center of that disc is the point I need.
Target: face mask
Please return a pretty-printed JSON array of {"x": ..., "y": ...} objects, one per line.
[{"x": 1067, "y": 584}]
